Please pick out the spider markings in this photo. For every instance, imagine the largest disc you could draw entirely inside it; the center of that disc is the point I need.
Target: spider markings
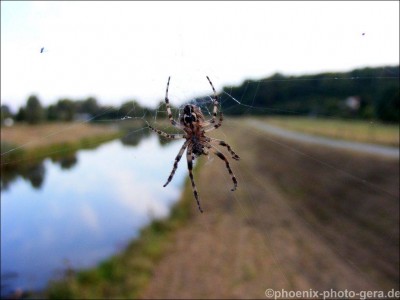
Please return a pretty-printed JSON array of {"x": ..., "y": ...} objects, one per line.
[
  {"x": 215, "y": 110},
  {"x": 194, "y": 125}
]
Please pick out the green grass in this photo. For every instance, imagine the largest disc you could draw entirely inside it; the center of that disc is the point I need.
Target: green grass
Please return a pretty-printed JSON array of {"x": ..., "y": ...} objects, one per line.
[{"x": 354, "y": 130}]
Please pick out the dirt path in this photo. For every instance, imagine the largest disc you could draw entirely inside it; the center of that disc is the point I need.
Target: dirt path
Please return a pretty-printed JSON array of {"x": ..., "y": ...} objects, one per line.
[{"x": 290, "y": 225}]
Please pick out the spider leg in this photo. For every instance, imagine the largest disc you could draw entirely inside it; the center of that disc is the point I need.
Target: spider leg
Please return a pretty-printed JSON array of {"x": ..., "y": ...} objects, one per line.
[
  {"x": 221, "y": 118},
  {"x": 177, "y": 159},
  {"x": 221, "y": 156},
  {"x": 171, "y": 119},
  {"x": 189, "y": 158},
  {"x": 224, "y": 144},
  {"x": 215, "y": 110},
  {"x": 167, "y": 135}
]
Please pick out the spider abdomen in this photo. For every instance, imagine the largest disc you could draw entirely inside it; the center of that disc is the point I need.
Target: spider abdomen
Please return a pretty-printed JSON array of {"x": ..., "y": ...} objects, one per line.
[
  {"x": 198, "y": 149},
  {"x": 197, "y": 146}
]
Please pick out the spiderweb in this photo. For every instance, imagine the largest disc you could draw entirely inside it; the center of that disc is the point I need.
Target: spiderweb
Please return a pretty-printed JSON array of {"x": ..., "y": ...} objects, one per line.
[
  {"x": 345, "y": 174},
  {"x": 304, "y": 216},
  {"x": 296, "y": 207}
]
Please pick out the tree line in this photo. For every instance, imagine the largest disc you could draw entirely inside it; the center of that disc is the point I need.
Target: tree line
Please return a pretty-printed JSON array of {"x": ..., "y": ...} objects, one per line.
[
  {"x": 369, "y": 93},
  {"x": 67, "y": 110}
]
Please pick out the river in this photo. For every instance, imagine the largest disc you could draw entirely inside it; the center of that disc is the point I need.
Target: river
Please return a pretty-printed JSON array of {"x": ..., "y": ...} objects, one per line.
[{"x": 78, "y": 210}]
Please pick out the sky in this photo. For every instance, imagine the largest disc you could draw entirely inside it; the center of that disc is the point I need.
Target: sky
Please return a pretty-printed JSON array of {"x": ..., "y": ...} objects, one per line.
[{"x": 120, "y": 51}]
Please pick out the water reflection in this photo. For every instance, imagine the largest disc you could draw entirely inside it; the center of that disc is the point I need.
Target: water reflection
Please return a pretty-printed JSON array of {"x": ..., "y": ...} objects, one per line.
[
  {"x": 35, "y": 172},
  {"x": 66, "y": 162},
  {"x": 83, "y": 207},
  {"x": 133, "y": 138}
]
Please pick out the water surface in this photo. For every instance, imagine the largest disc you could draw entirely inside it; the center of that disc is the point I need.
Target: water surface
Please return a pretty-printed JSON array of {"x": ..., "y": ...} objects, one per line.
[{"x": 79, "y": 210}]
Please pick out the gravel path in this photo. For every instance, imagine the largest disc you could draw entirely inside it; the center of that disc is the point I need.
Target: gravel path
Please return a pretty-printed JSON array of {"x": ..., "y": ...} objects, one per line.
[{"x": 386, "y": 151}]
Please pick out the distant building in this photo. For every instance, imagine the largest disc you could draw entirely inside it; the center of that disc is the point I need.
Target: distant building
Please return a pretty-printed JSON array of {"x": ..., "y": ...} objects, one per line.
[
  {"x": 8, "y": 122},
  {"x": 82, "y": 117},
  {"x": 353, "y": 103}
]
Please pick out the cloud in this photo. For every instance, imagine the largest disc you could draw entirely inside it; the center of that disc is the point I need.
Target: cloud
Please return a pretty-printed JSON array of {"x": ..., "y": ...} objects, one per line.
[
  {"x": 143, "y": 198},
  {"x": 89, "y": 217}
]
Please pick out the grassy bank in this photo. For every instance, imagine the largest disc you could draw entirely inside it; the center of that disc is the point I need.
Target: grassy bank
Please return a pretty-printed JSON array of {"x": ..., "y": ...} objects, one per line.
[
  {"x": 23, "y": 145},
  {"x": 353, "y": 130}
]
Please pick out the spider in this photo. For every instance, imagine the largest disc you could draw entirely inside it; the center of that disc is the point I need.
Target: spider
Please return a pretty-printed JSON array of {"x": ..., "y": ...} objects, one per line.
[{"x": 194, "y": 125}]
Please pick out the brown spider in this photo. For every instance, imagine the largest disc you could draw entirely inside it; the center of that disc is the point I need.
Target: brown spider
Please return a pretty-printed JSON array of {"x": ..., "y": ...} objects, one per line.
[{"x": 194, "y": 125}]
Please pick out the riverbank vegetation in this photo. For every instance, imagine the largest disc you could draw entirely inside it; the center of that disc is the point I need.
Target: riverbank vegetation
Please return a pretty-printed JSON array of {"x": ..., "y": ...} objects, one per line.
[{"x": 23, "y": 145}]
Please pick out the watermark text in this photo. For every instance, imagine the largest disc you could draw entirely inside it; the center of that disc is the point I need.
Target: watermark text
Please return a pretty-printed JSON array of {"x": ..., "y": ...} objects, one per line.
[{"x": 331, "y": 294}]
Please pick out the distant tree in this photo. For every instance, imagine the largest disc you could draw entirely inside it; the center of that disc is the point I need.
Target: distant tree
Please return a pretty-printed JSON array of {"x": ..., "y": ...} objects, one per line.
[
  {"x": 89, "y": 106},
  {"x": 131, "y": 109},
  {"x": 51, "y": 113},
  {"x": 161, "y": 110},
  {"x": 65, "y": 110},
  {"x": 21, "y": 114},
  {"x": 5, "y": 113},
  {"x": 388, "y": 106},
  {"x": 34, "y": 110},
  {"x": 106, "y": 113}
]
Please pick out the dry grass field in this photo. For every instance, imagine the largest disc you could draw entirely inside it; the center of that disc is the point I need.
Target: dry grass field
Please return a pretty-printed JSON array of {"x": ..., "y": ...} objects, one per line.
[
  {"x": 43, "y": 135},
  {"x": 354, "y": 130},
  {"x": 23, "y": 145}
]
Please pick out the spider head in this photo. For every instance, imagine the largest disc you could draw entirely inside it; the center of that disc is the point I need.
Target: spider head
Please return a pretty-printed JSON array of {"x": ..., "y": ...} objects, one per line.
[{"x": 191, "y": 114}]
